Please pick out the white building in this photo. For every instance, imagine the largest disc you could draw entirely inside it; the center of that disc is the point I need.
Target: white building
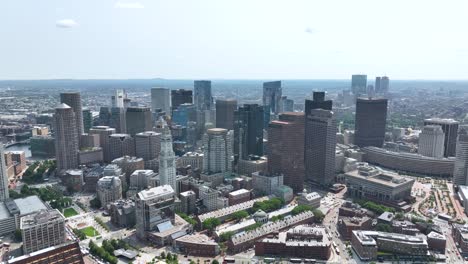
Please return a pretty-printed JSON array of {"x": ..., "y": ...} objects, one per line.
[
  {"x": 431, "y": 141},
  {"x": 461, "y": 162},
  {"x": 41, "y": 230},
  {"x": 167, "y": 166},
  {"x": 161, "y": 99},
  {"x": 266, "y": 184},
  {"x": 217, "y": 150},
  {"x": 142, "y": 179},
  {"x": 209, "y": 197},
  {"x": 109, "y": 189}
]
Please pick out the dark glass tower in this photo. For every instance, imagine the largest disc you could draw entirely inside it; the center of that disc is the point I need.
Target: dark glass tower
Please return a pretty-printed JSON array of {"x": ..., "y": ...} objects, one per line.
[
  {"x": 225, "y": 113},
  {"x": 371, "y": 119},
  {"x": 248, "y": 131},
  {"x": 318, "y": 102}
]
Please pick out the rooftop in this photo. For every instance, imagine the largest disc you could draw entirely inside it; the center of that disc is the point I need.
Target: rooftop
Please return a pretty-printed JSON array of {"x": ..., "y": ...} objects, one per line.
[
  {"x": 197, "y": 239},
  {"x": 231, "y": 209},
  {"x": 156, "y": 192},
  {"x": 41, "y": 217}
]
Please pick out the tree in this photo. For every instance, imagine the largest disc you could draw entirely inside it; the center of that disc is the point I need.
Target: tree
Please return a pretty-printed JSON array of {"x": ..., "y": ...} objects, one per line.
[
  {"x": 214, "y": 261},
  {"x": 226, "y": 236},
  {"x": 318, "y": 215},
  {"x": 240, "y": 215},
  {"x": 18, "y": 235},
  {"x": 301, "y": 208},
  {"x": 95, "y": 203},
  {"x": 211, "y": 223},
  {"x": 384, "y": 227},
  {"x": 163, "y": 255}
]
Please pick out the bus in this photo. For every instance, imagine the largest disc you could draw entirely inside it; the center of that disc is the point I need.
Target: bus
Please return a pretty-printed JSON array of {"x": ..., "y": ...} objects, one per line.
[
  {"x": 310, "y": 261},
  {"x": 269, "y": 260},
  {"x": 337, "y": 251},
  {"x": 294, "y": 260},
  {"x": 229, "y": 260}
]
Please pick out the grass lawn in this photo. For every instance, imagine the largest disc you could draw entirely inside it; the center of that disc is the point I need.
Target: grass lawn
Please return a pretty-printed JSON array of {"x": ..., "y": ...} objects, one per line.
[
  {"x": 69, "y": 212},
  {"x": 90, "y": 231}
]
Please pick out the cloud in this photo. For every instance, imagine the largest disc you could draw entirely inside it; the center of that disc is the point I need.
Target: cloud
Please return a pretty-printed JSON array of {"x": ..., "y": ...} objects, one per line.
[
  {"x": 129, "y": 5},
  {"x": 310, "y": 30},
  {"x": 66, "y": 23}
]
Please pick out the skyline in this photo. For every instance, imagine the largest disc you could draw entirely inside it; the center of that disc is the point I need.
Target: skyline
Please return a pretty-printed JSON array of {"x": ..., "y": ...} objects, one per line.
[{"x": 417, "y": 40}]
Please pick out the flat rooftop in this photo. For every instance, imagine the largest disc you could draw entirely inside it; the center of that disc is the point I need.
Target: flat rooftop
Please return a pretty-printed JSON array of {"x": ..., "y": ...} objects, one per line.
[{"x": 155, "y": 192}]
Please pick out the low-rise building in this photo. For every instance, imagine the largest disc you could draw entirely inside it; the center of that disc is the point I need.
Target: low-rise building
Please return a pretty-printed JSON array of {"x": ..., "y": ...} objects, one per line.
[
  {"x": 188, "y": 201},
  {"x": 346, "y": 225},
  {"x": 224, "y": 213},
  {"x": 299, "y": 242},
  {"x": 311, "y": 199},
  {"x": 109, "y": 189},
  {"x": 68, "y": 253},
  {"x": 239, "y": 196},
  {"x": 460, "y": 236},
  {"x": 122, "y": 213},
  {"x": 198, "y": 245},
  {"x": 436, "y": 242}
]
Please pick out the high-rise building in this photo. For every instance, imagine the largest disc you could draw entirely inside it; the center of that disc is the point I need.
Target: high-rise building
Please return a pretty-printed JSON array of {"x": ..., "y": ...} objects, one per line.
[
  {"x": 217, "y": 150},
  {"x": 121, "y": 145},
  {"x": 209, "y": 197},
  {"x": 117, "y": 100},
  {"x": 104, "y": 133},
  {"x": 154, "y": 207},
  {"x": 272, "y": 92},
  {"x": 431, "y": 141},
  {"x": 318, "y": 102},
  {"x": 248, "y": 131},
  {"x": 203, "y": 99},
  {"x": 74, "y": 101},
  {"x": 381, "y": 85},
  {"x": 117, "y": 119},
  {"x": 138, "y": 119},
  {"x": 225, "y": 113},
  {"x": 87, "y": 120},
  {"x": 42, "y": 229},
  {"x": 378, "y": 82},
  {"x": 181, "y": 96},
  {"x": 286, "y": 149},
  {"x": 104, "y": 116},
  {"x": 161, "y": 99},
  {"x": 288, "y": 104},
  {"x": 183, "y": 114},
  {"x": 371, "y": 119},
  {"x": 167, "y": 165},
  {"x": 66, "y": 138},
  {"x": 4, "y": 195},
  {"x": 450, "y": 128},
  {"x": 359, "y": 84},
  {"x": 460, "y": 172},
  {"x": 148, "y": 145},
  {"x": 109, "y": 189},
  {"x": 320, "y": 143}
]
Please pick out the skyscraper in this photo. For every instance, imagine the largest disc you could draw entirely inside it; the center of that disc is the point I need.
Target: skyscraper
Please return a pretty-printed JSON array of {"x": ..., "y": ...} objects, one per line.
[
  {"x": 318, "y": 102},
  {"x": 320, "y": 143},
  {"x": 167, "y": 166},
  {"x": 183, "y": 114},
  {"x": 382, "y": 85},
  {"x": 288, "y": 104},
  {"x": 148, "y": 145},
  {"x": 181, "y": 96},
  {"x": 117, "y": 100},
  {"x": 460, "y": 172},
  {"x": 450, "y": 128},
  {"x": 118, "y": 120},
  {"x": 104, "y": 133},
  {"x": 225, "y": 113},
  {"x": 431, "y": 141},
  {"x": 203, "y": 99},
  {"x": 138, "y": 119},
  {"x": 359, "y": 84},
  {"x": 161, "y": 99},
  {"x": 87, "y": 120},
  {"x": 121, "y": 145},
  {"x": 74, "y": 101},
  {"x": 217, "y": 150},
  {"x": 371, "y": 119},
  {"x": 4, "y": 195},
  {"x": 104, "y": 116},
  {"x": 286, "y": 149},
  {"x": 272, "y": 92},
  {"x": 248, "y": 131},
  {"x": 66, "y": 138}
]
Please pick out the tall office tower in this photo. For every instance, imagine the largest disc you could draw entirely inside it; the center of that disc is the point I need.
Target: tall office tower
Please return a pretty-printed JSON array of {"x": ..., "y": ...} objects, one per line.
[
  {"x": 138, "y": 119},
  {"x": 320, "y": 143},
  {"x": 167, "y": 166},
  {"x": 87, "y": 120},
  {"x": 286, "y": 149},
  {"x": 148, "y": 145},
  {"x": 153, "y": 208},
  {"x": 450, "y": 128},
  {"x": 371, "y": 119},
  {"x": 66, "y": 138},
  {"x": 318, "y": 102},
  {"x": 384, "y": 84},
  {"x": 359, "y": 84},
  {"x": 272, "y": 93},
  {"x": 180, "y": 96},
  {"x": 202, "y": 98},
  {"x": 104, "y": 116},
  {"x": 109, "y": 189},
  {"x": 460, "y": 172},
  {"x": 74, "y": 101},
  {"x": 117, "y": 100},
  {"x": 42, "y": 229},
  {"x": 4, "y": 195},
  {"x": 225, "y": 113},
  {"x": 104, "y": 133},
  {"x": 217, "y": 150},
  {"x": 431, "y": 141},
  {"x": 183, "y": 114},
  {"x": 121, "y": 145},
  {"x": 248, "y": 131},
  {"x": 378, "y": 85},
  {"x": 192, "y": 133},
  {"x": 118, "y": 120},
  {"x": 288, "y": 104},
  {"x": 370, "y": 91},
  {"x": 161, "y": 99}
]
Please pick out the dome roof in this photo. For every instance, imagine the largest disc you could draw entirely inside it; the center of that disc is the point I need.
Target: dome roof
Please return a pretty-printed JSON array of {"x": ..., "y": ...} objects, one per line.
[{"x": 260, "y": 214}]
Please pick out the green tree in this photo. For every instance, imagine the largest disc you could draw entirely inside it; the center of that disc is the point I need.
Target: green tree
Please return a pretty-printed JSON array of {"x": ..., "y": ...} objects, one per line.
[
  {"x": 211, "y": 223},
  {"x": 301, "y": 208},
  {"x": 240, "y": 215},
  {"x": 318, "y": 215},
  {"x": 18, "y": 235},
  {"x": 214, "y": 261},
  {"x": 95, "y": 203},
  {"x": 383, "y": 227}
]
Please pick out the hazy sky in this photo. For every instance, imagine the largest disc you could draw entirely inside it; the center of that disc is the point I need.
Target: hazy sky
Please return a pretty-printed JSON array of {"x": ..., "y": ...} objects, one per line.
[{"x": 255, "y": 39}]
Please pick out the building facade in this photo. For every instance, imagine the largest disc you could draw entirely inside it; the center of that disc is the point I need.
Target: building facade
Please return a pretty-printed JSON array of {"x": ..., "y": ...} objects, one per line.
[
  {"x": 161, "y": 99},
  {"x": 225, "y": 109},
  {"x": 450, "y": 128},
  {"x": 431, "y": 141},
  {"x": 371, "y": 119},
  {"x": 74, "y": 101},
  {"x": 66, "y": 138},
  {"x": 217, "y": 150},
  {"x": 138, "y": 119}
]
